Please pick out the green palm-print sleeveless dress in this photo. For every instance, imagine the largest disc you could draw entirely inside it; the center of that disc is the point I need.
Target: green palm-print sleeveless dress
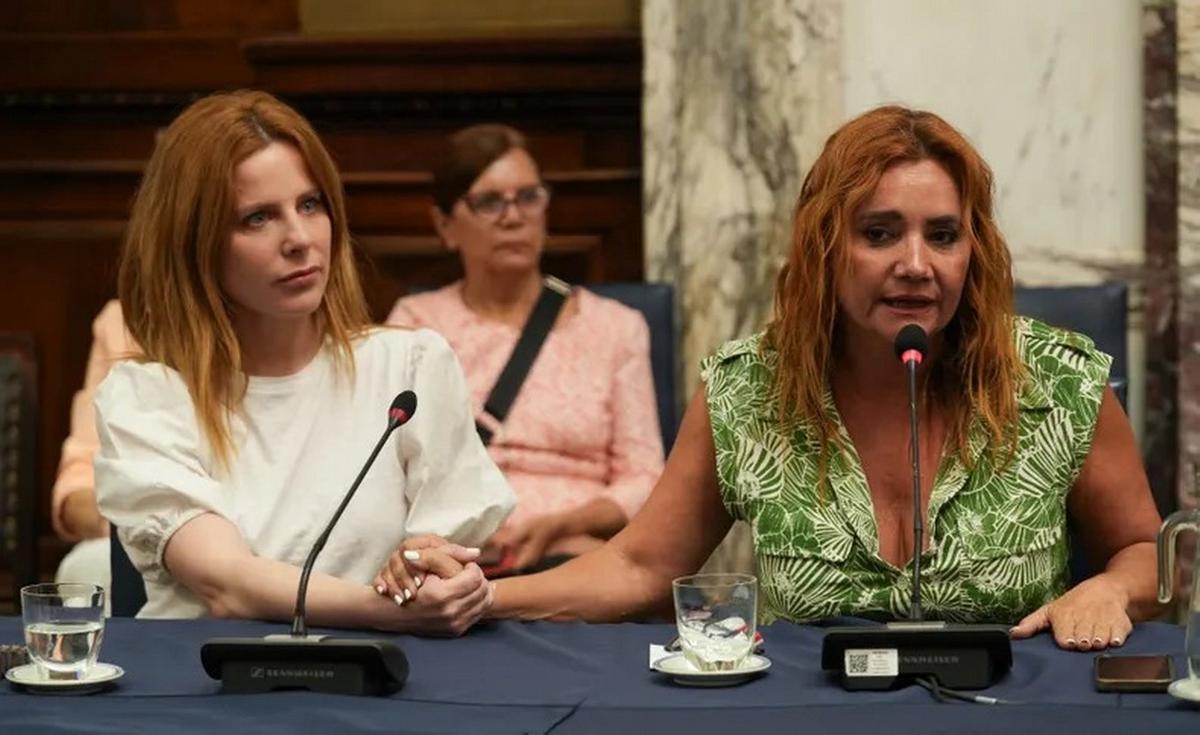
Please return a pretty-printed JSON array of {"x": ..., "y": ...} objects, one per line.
[{"x": 997, "y": 546}]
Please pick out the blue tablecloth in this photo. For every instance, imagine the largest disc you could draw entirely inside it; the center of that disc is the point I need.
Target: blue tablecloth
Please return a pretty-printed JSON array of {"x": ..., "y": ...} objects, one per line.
[{"x": 545, "y": 677}]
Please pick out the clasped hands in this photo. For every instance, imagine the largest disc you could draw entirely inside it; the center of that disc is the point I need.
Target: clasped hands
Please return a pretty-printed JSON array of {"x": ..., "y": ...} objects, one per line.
[{"x": 439, "y": 584}]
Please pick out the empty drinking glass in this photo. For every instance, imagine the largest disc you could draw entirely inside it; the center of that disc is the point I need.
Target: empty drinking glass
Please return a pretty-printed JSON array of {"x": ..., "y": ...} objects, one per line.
[
  {"x": 715, "y": 614},
  {"x": 64, "y": 625}
]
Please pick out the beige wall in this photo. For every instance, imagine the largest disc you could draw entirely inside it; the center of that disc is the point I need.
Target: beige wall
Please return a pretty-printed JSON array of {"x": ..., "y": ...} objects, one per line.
[{"x": 457, "y": 16}]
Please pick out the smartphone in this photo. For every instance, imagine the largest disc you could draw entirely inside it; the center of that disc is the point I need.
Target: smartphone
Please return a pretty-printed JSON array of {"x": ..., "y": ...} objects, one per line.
[{"x": 1134, "y": 673}]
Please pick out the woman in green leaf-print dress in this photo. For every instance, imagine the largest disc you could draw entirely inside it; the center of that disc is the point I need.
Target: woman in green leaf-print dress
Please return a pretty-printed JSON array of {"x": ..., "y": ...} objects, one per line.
[{"x": 802, "y": 429}]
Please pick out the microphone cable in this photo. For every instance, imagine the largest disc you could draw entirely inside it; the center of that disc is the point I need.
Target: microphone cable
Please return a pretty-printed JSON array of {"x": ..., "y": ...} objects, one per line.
[{"x": 944, "y": 695}]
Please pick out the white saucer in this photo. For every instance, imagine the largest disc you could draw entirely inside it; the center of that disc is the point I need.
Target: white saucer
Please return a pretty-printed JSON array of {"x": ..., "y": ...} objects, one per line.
[
  {"x": 681, "y": 670},
  {"x": 1187, "y": 688},
  {"x": 99, "y": 677}
]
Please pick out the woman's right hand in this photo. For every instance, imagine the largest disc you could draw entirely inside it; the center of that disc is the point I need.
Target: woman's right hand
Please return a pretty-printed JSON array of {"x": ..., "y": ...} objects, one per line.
[
  {"x": 418, "y": 557},
  {"x": 447, "y": 605}
]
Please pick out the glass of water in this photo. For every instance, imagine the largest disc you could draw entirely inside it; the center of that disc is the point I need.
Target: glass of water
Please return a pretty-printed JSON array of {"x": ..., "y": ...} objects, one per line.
[
  {"x": 715, "y": 614},
  {"x": 64, "y": 625}
]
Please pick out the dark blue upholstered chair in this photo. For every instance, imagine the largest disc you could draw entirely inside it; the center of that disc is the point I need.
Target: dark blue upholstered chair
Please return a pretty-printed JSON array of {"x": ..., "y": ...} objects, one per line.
[
  {"x": 1101, "y": 313},
  {"x": 656, "y": 301},
  {"x": 128, "y": 591}
]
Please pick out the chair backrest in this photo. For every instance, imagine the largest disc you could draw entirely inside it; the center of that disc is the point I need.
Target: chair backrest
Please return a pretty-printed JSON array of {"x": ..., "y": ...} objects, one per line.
[
  {"x": 18, "y": 459},
  {"x": 128, "y": 589},
  {"x": 656, "y": 302},
  {"x": 1100, "y": 312}
]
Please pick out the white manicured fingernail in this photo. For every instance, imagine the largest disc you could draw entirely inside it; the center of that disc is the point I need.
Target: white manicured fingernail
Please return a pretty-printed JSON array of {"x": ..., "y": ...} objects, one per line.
[
  {"x": 380, "y": 589},
  {"x": 412, "y": 555},
  {"x": 399, "y": 600},
  {"x": 1117, "y": 641},
  {"x": 1070, "y": 641},
  {"x": 417, "y": 581},
  {"x": 407, "y": 593}
]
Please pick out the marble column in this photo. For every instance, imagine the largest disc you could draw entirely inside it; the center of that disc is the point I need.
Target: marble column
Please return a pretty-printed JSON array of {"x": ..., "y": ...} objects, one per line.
[
  {"x": 1187, "y": 17},
  {"x": 1160, "y": 435},
  {"x": 739, "y": 98}
]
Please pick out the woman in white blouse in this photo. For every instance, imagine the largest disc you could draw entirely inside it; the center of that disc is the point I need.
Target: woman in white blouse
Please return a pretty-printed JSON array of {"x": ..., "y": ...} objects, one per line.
[{"x": 226, "y": 447}]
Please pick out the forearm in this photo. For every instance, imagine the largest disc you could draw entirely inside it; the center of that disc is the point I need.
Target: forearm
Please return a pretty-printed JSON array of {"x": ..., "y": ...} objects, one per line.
[
  {"x": 1133, "y": 570},
  {"x": 266, "y": 589},
  {"x": 209, "y": 556},
  {"x": 601, "y": 586},
  {"x": 599, "y": 517},
  {"x": 682, "y": 522},
  {"x": 80, "y": 517}
]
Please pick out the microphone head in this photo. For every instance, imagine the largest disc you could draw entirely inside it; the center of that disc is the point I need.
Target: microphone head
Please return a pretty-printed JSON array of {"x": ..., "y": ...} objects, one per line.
[
  {"x": 911, "y": 343},
  {"x": 402, "y": 409}
]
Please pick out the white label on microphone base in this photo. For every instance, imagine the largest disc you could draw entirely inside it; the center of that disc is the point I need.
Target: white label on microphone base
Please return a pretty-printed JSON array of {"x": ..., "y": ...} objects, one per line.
[{"x": 872, "y": 662}]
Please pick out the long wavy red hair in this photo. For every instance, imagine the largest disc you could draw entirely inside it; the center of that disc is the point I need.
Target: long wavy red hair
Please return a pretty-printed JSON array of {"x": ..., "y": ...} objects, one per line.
[{"x": 979, "y": 373}]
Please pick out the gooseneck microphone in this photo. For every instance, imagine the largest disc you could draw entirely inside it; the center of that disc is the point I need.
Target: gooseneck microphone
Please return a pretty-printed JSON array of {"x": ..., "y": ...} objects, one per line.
[
  {"x": 402, "y": 409},
  {"x": 952, "y": 656},
  {"x": 911, "y": 345},
  {"x": 317, "y": 663}
]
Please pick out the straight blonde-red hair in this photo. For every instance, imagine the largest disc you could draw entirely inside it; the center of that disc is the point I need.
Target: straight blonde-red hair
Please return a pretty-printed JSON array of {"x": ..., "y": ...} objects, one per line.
[{"x": 182, "y": 219}]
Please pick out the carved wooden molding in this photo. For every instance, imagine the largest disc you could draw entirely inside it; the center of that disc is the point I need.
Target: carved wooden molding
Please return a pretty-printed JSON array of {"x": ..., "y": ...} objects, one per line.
[
  {"x": 381, "y": 66},
  {"x": 124, "y": 168},
  {"x": 593, "y": 76},
  {"x": 76, "y": 64}
]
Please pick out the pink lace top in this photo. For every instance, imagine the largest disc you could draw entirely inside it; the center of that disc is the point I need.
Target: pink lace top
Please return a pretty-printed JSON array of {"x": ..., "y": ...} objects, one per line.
[{"x": 584, "y": 423}]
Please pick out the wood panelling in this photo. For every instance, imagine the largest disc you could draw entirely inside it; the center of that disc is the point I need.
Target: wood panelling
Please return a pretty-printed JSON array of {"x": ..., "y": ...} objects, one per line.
[
  {"x": 577, "y": 65},
  {"x": 107, "y": 16},
  {"x": 78, "y": 114},
  {"x": 104, "y": 69},
  {"x": 594, "y": 222},
  {"x": 464, "y": 16}
]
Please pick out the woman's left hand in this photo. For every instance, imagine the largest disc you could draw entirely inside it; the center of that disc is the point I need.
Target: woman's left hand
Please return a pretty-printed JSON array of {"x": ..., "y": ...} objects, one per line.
[
  {"x": 528, "y": 542},
  {"x": 1091, "y": 616}
]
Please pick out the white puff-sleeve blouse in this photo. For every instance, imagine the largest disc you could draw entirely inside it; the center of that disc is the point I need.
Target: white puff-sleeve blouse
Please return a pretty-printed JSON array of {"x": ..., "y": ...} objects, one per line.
[{"x": 299, "y": 443}]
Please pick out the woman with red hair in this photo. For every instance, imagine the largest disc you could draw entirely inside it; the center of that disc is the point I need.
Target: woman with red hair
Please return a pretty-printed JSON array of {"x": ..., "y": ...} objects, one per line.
[
  {"x": 226, "y": 442},
  {"x": 802, "y": 429}
]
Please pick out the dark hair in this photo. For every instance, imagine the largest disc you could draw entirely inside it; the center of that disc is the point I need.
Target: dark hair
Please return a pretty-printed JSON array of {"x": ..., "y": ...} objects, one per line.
[{"x": 468, "y": 154}]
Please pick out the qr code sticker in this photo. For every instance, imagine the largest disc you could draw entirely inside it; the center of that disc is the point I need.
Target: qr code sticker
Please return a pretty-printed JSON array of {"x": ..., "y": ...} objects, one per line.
[{"x": 872, "y": 662}]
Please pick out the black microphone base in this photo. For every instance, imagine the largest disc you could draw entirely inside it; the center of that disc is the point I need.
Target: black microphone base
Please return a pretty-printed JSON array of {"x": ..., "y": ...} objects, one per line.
[
  {"x": 894, "y": 654},
  {"x": 331, "y": 665}
]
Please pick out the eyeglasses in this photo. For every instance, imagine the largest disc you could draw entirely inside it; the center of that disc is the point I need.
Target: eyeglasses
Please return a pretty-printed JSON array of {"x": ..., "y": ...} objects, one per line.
[{"x": 530, "y": 201}]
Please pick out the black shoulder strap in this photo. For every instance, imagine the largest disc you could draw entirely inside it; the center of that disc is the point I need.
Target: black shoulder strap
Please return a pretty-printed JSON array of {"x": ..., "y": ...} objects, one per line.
[{"x": 537, "y": 327}]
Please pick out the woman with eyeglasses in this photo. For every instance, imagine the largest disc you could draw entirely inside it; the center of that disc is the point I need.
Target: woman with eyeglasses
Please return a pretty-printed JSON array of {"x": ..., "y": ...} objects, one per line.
[{"x": 580, "y": 444}]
